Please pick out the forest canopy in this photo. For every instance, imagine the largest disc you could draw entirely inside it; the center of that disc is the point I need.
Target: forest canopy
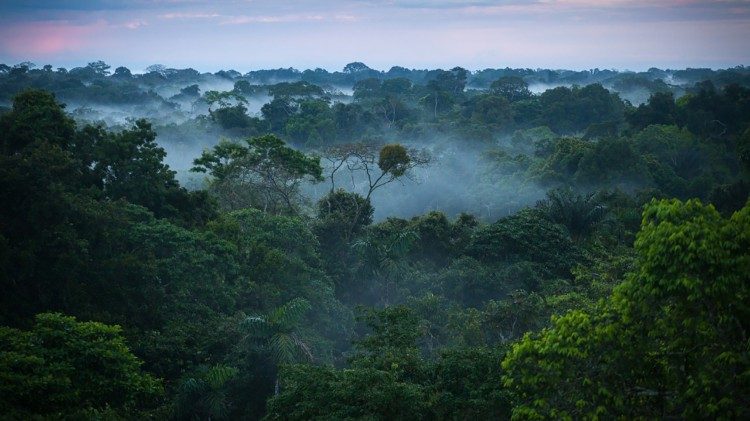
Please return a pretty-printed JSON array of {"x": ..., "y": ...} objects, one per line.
[{"x": 364, "y": 244}]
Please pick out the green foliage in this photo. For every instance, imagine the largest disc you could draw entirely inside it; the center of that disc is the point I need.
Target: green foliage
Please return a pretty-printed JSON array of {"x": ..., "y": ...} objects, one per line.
[
  {"x": 204, "y": 394},
  {"x": 394, "y": 159},
  {"x": 313, "y": 125},
  {"x": 578, "y": 213},
  {"x": 346, "y": 207},
  {"x": 567, "y": 110},
  {"x": 294, "y": 89},
  {"x": 265, "y": 174},
  {"x": 512, "y": 88},
  {"x": 468, "y": 385},
  {"x": 63, "y": 368},
  {"x": 561, "y": 158},
  {"x": 670, "y": 342},
  {"x": 660, "y": 109},
  {"x": 94, "y": 224},
  {"x": 36, "y": 117},
  {"x": 390, "y": 380},
  {"x": 611, "y": 162},
  {"x": 224, "y": 99},
  {"x": 527, "y": 235},
  {"x": 279, "y": 329}
]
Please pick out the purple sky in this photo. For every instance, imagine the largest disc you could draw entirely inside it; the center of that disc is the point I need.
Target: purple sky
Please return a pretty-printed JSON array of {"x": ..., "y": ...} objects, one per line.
[{"x": 252, "y": 34}]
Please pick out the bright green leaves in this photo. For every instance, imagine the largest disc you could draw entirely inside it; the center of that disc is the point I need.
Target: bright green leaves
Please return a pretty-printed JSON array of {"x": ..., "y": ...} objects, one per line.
[
  {"x": 65, "y": 368},
  {"x": 672, "y": 339}
]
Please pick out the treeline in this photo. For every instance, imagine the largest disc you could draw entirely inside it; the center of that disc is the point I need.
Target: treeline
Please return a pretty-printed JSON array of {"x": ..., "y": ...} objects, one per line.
[
  {"x": 128, "y": 296},
  {"x": 357, "y": 71}
]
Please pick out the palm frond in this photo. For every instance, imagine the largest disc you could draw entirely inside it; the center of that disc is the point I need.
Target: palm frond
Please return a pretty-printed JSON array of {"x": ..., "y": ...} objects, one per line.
[
  {"x": 218, "y": 375},
  {"x": 257, "y": 326},
  {"x": 290, "y": 314},
  {"x": 283, "y": 348}
]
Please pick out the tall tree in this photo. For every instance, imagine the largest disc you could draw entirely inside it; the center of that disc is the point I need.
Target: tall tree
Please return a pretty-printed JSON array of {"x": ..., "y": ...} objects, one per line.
[
  {"x": 280, "y": 330},
  {"x": 264, "y": 173}
]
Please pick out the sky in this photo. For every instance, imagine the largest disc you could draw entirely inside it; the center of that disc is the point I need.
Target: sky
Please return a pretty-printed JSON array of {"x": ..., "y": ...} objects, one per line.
[{"x": 210, "y": 35}]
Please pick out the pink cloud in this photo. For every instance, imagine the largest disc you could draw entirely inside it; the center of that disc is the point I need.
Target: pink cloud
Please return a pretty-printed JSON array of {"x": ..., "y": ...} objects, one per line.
[{"x": 46, "y": 37}]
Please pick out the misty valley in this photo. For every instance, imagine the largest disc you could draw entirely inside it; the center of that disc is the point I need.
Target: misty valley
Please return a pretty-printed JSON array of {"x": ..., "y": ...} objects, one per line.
[{"x": 506, "y": 243}]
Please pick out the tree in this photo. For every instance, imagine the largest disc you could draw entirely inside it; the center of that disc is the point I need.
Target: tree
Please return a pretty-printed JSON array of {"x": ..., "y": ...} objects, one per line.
[
  {"x": 671, "y": 341},
  {"x": 391, "y": 163},
  {"x": 122, "y": 73},
  {"x": 70, "y": 369},
  {"x": 277, "y": 112},
  {"x": 36, "y": 117},
  {"x": 204, "y": 394},
  {"x": 346, "y": 207},
  {"x": 356, "y": 67},
  {"x": 512, "y": 88},
  {"x": 383, "y": 257},
  {"x": 265, "y": 174},
  {"x": 580, "y": 214},
  {"x": 526, "y": 236},
  {"x": 491, "y": 110},
  {"x": 313, "y": 124},
  {"x": 300, "y": 89},
  {"x": 280, "y": 332},
  {"x": 743, "y": 150},
  {"x": 389, "y": 380},
  {"x": 224, "y": 99},
  {"x": 383, "y": 382},
  {"x": 660, "y": 109},
  {"x": 99, "y": 68}
]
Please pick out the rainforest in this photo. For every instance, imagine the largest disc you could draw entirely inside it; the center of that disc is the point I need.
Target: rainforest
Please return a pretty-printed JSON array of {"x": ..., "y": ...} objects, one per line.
[{"x": 364, "y": 244}]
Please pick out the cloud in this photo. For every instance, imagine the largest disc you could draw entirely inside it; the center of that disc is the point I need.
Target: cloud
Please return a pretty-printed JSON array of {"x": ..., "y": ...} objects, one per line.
[
  {"x": 470, "y": 33},
  {"x": 134, "y": 24},
  {"x": 293, "y": 18},
  {"x": 47, "y": 37},
  {"x": 189, "y": 15}
]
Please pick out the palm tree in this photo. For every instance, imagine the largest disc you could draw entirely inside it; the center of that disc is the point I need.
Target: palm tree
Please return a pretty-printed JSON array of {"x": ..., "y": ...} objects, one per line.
[
  {"x": 386, "y": 257},
  {"x": 579, "y": 213},
  {"x": 204, "y": 394},
  {"x": 279, "y": 330}
]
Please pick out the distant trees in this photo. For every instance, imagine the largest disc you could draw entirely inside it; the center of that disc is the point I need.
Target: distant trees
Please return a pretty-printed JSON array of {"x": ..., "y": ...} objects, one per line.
[
  {"x": 99, "y": 68},
  {"x": 299, "y": 89},
  {"x": 660, "y": 109},
  {"x": 571, "y": 110},
  {"x": 512, "y": 88},
  {"x": 355, "y": 67},
  {"x": 122, "y": 73}
]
